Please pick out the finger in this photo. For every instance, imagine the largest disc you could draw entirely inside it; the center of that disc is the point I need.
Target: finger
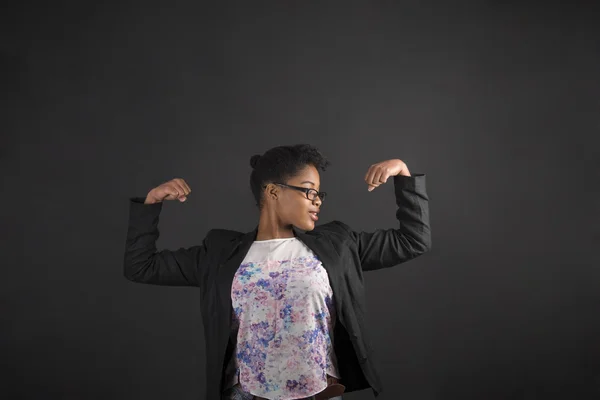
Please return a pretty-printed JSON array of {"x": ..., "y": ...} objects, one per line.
[
  {"x": 185, "y": 186},
  {"x": 369, "y": 179},
  {"x": 372, "y": 187},
  {"x": 179, "y": 188},
  {"x": 384, "y": 176},
  {"x": 189, "y": 189},
  {"x": 171, "y": 191},
  {"x": 370, "y": 174},
  {"x": 377, "y": 177}
]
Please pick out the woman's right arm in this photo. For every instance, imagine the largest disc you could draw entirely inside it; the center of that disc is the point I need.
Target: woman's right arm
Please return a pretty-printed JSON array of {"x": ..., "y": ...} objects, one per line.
[{"x": 142, "y": 262}]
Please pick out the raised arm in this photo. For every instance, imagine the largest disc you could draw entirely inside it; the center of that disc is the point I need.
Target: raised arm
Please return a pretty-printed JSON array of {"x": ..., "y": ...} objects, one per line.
[
  {"x": 142, "y": 262},
  {"x": 386, "y": 248}
]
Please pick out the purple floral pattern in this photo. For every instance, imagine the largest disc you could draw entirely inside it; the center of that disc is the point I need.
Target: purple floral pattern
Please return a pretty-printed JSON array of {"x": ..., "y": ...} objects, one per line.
[{"x": 284, "y": 313}]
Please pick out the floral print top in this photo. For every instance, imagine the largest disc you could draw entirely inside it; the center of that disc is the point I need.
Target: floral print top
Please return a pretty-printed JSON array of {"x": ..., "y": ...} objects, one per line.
[{"x": 284, "y": 312}]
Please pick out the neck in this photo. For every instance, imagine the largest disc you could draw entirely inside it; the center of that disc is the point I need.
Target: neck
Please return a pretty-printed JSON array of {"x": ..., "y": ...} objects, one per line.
[{"x": 269, "y": 227}]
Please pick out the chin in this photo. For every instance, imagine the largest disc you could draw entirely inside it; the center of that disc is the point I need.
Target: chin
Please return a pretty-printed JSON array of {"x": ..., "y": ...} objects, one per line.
[
  {"x": 309, "y": 226},
  {"x": 305, "y": 226}
]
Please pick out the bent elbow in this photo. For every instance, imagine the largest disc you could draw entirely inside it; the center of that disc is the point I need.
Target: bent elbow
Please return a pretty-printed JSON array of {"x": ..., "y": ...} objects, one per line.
[
  {"x": 421, "y": 245},
  {"x": 129, "y": 273},
  {"x": 135, "y": 271}
]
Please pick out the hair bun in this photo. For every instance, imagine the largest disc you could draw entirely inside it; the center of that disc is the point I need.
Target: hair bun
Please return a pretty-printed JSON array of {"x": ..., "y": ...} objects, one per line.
[{"x": 254, "y": 160}]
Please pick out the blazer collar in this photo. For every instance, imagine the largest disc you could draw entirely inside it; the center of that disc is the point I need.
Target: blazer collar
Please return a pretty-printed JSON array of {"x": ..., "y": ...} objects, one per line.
[{"x": 248, "y": 238}]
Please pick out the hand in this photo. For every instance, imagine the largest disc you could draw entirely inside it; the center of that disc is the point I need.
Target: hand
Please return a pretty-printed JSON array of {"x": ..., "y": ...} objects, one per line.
[
  {"x": 380, "y": 172},
  {"x": 171, "y": 190}
]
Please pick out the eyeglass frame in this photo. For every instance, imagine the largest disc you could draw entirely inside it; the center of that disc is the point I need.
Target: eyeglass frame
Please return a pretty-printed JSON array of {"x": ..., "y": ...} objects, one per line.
[{"x": 320, "y": 195}]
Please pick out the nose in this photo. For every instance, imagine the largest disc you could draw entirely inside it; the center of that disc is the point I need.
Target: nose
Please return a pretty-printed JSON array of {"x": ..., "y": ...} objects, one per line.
[{"x": 317, "y": 201}]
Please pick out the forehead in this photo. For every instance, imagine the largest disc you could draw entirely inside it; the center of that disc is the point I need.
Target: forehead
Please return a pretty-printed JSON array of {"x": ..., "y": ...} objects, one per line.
[{"x": 308, "y": 173}]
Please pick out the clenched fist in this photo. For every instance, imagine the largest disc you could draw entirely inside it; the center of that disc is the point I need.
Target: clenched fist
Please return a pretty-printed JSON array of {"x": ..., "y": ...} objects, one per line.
[
  {"x": 380, "y": 172},
  {"x": 175, "y": 189}
]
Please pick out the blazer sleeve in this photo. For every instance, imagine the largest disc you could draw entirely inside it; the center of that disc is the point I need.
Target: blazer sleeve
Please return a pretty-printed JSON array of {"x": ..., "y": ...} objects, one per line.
[
  {"x": 386, "y": 248},
  {"x": 144, "y": 264}
]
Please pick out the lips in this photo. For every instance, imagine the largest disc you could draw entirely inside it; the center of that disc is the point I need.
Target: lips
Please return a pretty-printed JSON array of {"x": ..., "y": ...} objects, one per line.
[{"x": 313, "y": 215}]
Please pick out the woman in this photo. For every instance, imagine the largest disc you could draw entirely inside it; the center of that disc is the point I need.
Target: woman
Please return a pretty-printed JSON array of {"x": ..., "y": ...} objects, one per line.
[{"x": 284, "y": 310}]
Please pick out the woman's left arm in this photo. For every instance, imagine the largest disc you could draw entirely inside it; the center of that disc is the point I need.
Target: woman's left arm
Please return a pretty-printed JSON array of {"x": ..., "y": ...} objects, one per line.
[{"x": 386, "y": 248}]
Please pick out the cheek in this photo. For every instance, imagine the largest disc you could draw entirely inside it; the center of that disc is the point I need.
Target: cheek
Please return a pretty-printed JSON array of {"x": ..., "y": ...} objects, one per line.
[{"x": 294, "y": 209}]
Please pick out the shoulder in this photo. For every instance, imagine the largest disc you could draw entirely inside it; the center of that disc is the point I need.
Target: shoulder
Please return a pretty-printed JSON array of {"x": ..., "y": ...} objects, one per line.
[
  {"x": 223, "y": 234},
  {"x": 335, "y": 227},
  {"x": 222, "y": 237}
]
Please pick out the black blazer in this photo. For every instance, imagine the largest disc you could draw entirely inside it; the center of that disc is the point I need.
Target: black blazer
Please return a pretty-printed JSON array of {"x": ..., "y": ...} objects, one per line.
[{"x": 344, "y": 253}]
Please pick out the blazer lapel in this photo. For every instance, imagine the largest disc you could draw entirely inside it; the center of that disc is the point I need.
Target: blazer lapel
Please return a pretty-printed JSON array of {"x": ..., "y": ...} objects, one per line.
[
  {"x": 323, "y": 248},
  {"x": 319, "y": 245},
  {"x": 228, "y": 268}
]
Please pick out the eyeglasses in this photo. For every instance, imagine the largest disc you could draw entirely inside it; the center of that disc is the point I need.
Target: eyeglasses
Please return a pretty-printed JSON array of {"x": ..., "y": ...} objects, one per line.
[{"x": 311, "y": 194}]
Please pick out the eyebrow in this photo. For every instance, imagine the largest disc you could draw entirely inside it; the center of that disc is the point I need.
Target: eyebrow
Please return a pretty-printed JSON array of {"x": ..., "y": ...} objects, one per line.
[{"x": 308, "y": 182}]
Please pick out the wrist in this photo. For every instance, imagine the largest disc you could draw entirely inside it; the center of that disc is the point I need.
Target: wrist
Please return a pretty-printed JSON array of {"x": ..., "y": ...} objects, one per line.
[
  {"x": 151, "y": 199},
  {"x": 404, "y": 171}
]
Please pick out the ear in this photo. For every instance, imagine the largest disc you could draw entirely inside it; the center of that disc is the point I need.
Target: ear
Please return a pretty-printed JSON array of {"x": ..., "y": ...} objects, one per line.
[{"x": 272, "y": 191}]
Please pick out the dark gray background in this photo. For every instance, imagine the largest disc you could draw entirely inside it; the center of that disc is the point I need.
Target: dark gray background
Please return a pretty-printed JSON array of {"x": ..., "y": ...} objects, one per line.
[{"x": 496, "y": 102}]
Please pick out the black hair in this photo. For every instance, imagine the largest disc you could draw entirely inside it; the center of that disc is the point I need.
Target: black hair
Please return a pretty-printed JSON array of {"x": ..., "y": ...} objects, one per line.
[{"x": 281, "y": 163}]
